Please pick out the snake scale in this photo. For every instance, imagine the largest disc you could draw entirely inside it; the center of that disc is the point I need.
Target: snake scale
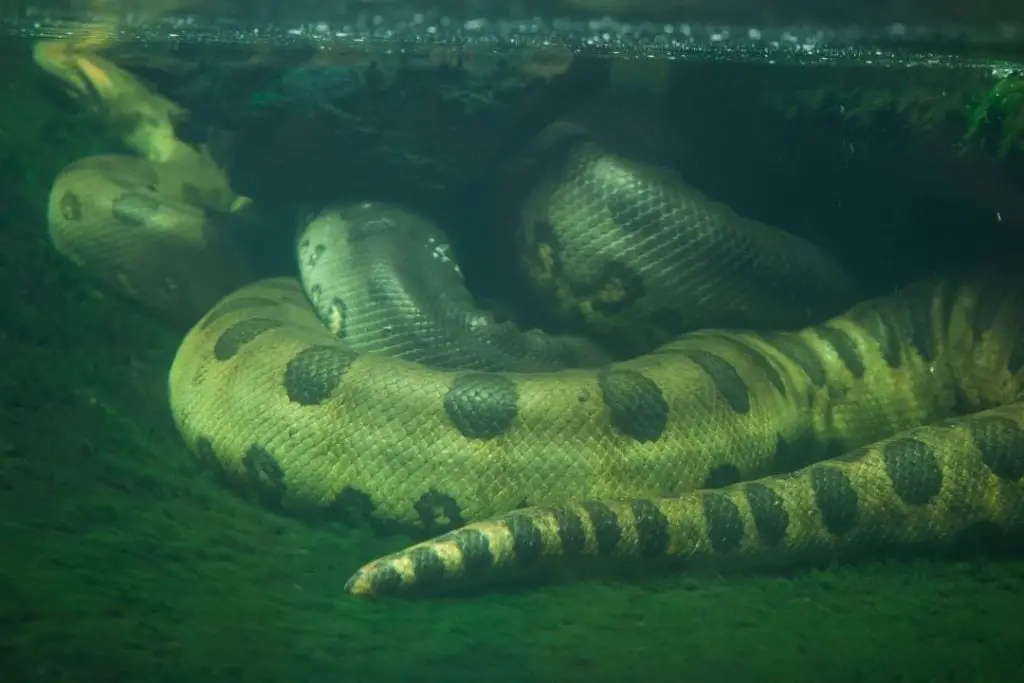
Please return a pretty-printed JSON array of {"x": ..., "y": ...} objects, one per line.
[{"x": 897, "y": 423}]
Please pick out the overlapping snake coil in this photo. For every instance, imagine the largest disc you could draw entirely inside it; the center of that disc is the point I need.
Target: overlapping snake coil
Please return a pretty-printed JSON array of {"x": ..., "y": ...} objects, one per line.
[{"x": 375, "y": 389}]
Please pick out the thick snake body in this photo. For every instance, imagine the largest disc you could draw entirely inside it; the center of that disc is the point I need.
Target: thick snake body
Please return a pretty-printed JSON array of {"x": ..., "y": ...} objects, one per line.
[
  {"x": 383, "y": 279},
  {"x": 725, "y": 447},
  {"x": 631, "y": 252},
  {"x": 900, "y": 366}
]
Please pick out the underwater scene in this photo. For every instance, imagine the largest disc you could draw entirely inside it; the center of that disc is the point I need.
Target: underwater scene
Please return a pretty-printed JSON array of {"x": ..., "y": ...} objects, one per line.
[{"x": 591, "y": 340}]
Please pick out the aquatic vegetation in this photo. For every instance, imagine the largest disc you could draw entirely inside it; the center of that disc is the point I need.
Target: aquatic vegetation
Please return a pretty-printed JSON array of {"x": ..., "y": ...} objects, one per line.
[
  {"x": 989, "y": 106},
  {"x": 1002, "y": 106}
]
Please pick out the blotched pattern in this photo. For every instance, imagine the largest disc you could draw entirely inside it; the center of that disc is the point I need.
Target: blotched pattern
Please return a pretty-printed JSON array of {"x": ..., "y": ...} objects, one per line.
[{"x": 897, "y": 423}]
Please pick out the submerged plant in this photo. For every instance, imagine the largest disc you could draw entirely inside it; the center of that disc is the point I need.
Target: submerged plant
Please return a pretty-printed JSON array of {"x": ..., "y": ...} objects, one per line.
[
  {"x": 989, "y": 105},
  {"x": 1002, "y": 107}
]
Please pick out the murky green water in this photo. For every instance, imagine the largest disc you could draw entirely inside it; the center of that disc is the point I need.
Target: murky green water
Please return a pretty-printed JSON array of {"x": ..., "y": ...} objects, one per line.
[{"x": 124, "y": 559}]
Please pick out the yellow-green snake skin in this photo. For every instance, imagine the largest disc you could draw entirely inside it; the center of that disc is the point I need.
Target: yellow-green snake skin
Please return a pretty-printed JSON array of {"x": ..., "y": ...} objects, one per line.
[{"x": 726, "y": 449}]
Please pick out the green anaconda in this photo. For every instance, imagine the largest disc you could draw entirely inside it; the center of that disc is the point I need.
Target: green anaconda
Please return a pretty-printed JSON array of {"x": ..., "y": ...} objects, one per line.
[
  {"x": 383, "y": 279},
  {"x": 721, "y": 447}
]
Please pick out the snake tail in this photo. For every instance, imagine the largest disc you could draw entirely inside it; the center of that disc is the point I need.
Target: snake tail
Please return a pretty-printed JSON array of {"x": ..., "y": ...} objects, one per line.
[{"x": 931, "y": 486}]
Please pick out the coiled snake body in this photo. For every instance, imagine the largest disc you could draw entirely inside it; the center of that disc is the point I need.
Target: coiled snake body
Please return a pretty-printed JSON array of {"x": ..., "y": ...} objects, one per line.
[{"x": 727, "y": 448}]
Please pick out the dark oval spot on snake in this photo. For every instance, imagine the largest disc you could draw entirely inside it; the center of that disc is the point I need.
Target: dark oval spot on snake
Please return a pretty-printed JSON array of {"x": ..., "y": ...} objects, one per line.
[
  {"x": 71, "y": 207},
  {"x": 801, "y": 354},
  {"x": 836, "y": 498},
  {"x": 427, "y": 566},
  {"x": 242, "y": 332},
  {"x": 265, "y": 476},
  {"x": 1000, "y": 441},
  {"x": 134, "y": 208},
  {"x": 845, "y": 347},
  {"x": 606, "y": 526},
  {"x": 727, "y": 381},
  {"x": 438, "y": 511},
  {"x": 482, "y": 405},
  {"x": 913, "y": 469},
  {"x": 570, "y": 531},
  {"x": 635, "y": 404},
  {"x": 869, "y": 320},
  {"x": 721, "y": 476},
  {"x": 725, "y": 525},
  {"x": 652, "y": 533},
  {"x": 757, "y": 359},
  {"x": 768, "y": 510},
  {"x": 385, "y": 580},
  {"x": 790, "y": 456},
  {"x": 475, "y": 547},
  {"x": 527, "y": 541},
  {"x": 315, "y": 372},
  {"x": 350, "y": 506}
]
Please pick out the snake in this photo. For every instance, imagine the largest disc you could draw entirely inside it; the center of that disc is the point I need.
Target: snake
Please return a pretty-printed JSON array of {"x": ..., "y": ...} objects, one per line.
[{"x": 746, "y": 409}]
